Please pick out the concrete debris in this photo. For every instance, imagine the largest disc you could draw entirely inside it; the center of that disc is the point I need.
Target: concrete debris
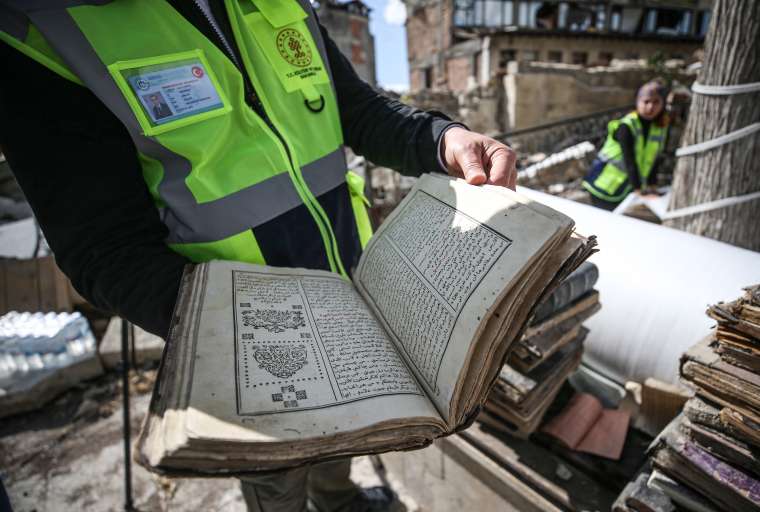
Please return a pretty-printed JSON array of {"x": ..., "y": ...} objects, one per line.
[
  {"x": 70, "y": 457},
  {"x": 147, "y": 347},
  {"x": 576, "y": 152}
]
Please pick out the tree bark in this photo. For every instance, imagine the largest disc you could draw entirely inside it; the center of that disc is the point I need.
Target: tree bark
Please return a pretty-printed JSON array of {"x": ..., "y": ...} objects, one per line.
[{"x": 732, "y": 57}]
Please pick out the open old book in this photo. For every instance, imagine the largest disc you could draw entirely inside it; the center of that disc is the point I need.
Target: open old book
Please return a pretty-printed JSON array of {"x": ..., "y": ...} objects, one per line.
[{"x": 269, "y": 368}]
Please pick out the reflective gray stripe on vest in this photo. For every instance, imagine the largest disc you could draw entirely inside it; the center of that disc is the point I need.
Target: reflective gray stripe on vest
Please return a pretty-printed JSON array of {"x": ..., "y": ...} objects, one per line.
[
  {"x": 253, "y": 206},
  {"x": 187, "y": 220},
  {"x": 656, "y": 138},
  {"x": 617, "y": 163},
  {"x": 606, "y": 159},
  {"x": 614, "y": 161}
]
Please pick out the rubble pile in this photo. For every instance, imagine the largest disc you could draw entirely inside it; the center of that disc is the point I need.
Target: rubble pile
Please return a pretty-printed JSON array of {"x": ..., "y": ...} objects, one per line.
[{"x": 560, "y": 173}]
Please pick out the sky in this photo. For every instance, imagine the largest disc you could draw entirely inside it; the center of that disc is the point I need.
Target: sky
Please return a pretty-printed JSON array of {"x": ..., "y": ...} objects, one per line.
[{"x": 387, "y": 25}]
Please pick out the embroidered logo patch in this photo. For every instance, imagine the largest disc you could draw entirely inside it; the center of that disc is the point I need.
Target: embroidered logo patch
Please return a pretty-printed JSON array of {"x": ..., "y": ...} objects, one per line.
[{"x": 293, "y": 47}]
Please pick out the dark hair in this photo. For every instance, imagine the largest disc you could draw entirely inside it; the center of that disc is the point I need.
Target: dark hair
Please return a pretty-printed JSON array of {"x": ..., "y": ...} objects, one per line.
[{"x": 658, "y": 86}]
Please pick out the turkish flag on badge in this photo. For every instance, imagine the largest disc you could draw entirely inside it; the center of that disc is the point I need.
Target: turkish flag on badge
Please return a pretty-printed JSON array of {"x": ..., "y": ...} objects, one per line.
[{"x": 197, "y": 71}]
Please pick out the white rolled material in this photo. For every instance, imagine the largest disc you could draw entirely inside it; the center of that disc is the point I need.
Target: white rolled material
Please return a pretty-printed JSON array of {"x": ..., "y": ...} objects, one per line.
[
  {"x": 655, "y": 283},
  {"x": 718, "y": 141},
  {"x": 725, "y": 90}
]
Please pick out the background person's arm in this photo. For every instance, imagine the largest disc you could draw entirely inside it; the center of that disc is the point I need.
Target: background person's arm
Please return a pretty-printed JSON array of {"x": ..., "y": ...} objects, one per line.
[{"x": 628, "y": 144}]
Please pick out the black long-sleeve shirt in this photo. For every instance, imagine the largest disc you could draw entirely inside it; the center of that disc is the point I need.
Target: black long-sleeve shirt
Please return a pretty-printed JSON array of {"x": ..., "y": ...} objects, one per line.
[
  {"x": 628, "y": 144},
  {"x": 79, "y": 170}
]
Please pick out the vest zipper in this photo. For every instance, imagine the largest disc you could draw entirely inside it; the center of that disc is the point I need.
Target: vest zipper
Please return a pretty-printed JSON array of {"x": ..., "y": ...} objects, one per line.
[
  {"x": 215, "y": 27},
  {"x": 253, "y": 101}
]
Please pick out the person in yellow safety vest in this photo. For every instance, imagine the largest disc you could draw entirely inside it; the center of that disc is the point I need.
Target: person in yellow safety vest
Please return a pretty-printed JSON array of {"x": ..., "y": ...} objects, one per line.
[
  {"x": 628, "y": 159},
  {"x": 149, "y": 135}
]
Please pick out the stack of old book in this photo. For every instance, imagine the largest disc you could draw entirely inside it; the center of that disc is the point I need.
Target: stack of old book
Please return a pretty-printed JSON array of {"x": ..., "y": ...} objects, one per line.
[
  {"x": 708, "y": 457},
  {"x": 548, "y": 352}
]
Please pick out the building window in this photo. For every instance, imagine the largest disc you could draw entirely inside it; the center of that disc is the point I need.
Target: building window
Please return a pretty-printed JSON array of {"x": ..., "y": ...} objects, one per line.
[
  {"x": 427, "y": 78},
  {"x": 684, "y": 26},
  {"x": 507, "y": 56},
  {"x": 580, "y": 58},
  {"x": 667, "y": 22},
  {"x": 616, "y": 18},
  {"x": 483, "y": 13},
  {"x": 357, "y": 28},
  {"x": 605, "y": 58},
  {"x": 547, "y": 16},
  {"x": 526, "y": 14},
  {"x": 530, "y": 55},
  {"x": 600, "y": 16},
  {"x": 357, "y": 54},
  {"x": 703, "y": 23},
  {"x": 555, "y": 56},
  {"x": 497, "y": 13},
  {"x": 574, "y": 17}
]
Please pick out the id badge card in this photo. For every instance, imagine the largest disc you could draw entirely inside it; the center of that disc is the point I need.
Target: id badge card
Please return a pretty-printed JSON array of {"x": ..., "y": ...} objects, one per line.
[{"x": 170, "y": 91}]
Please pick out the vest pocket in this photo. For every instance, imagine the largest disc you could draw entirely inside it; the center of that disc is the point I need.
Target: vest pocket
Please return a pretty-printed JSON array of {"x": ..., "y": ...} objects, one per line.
[
  {"x": 292, "y": 54},
  {"x": 611, "y": 179}
]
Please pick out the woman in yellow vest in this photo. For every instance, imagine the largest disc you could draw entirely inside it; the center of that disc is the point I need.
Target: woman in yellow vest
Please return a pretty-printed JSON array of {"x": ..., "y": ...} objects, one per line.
[{"x": 628, "y": 159}]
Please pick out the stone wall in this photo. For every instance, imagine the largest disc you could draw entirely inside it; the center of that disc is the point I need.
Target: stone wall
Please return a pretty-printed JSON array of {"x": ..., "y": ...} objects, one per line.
[
  {"x": 479, "y": 109},
  {"x": 539, "y": 93},
  {"x": 444, "y": 102},
  {"x": 351, "y": 34},
  {"x": 458, "y": 71},
  {"x": 554, "y": 137},
  {"x": 595, "y": 50},
  {"x": 428, "y": 25}
]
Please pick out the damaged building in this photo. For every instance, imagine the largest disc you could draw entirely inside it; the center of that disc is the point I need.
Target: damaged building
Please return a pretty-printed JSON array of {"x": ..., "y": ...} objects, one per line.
[
  {"x": 348, "y": 25},
  {"x": 575, "y": 57}
]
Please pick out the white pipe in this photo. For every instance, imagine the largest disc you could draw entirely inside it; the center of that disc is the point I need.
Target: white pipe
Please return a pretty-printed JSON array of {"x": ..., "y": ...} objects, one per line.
[{"x": 654, "y": 283}]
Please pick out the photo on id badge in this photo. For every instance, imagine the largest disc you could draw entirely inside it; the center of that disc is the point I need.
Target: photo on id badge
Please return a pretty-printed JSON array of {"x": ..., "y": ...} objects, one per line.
[{"x": 157, "y": 105}]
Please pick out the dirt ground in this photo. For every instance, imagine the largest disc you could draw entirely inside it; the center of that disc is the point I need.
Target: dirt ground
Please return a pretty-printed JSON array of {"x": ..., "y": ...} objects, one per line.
[{"x": 68, "y": 456}]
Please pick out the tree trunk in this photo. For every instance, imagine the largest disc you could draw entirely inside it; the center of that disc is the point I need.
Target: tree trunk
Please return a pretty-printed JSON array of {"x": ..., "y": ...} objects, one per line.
[{"x": 732, "y": 57}]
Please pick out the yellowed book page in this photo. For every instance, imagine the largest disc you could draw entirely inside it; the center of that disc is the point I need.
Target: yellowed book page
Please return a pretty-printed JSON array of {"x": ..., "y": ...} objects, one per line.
[
  {"x": 434, "y": 270},
  {"x": 290, "y": 354}
]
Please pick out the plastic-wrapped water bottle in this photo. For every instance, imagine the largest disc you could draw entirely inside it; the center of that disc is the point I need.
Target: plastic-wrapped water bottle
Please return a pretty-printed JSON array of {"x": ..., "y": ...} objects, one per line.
[{"x": 31, "y": 342}]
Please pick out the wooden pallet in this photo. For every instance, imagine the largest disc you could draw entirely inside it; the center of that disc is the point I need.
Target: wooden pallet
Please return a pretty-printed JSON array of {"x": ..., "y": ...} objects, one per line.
[{"x": 33, "y": 285}]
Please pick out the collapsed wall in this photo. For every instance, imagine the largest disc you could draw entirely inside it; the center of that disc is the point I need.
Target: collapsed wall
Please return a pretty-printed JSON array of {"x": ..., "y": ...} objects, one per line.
[{"x": 531, "y": 94}]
